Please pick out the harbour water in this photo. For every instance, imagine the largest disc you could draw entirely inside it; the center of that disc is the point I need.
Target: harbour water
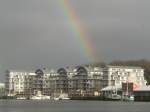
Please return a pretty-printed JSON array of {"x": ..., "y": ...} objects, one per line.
[{"x": 72, "y": 106}]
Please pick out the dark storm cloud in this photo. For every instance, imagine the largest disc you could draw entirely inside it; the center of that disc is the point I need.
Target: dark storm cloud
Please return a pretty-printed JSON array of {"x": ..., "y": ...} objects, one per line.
[{"x": 35, "y": 33}]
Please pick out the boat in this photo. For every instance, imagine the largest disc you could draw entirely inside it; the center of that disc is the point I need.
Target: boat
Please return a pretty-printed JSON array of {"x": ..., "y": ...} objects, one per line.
[
  {"x": 62, "y": 97},
  {"x": 65, "y": 98},
  {"x": 116, "y": 97},
  {"x": 39, "y": 96},
  {"x": 132, "y": 98},
  {"x": 56, "y": 98},
  {"x": 21, "y": 98},
  {"x": 128, "y": 98}
]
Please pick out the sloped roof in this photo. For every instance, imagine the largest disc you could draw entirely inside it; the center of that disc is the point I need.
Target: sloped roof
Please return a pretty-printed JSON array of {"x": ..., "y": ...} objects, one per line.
[
  {"x": 143, "y": 88},
  {"x": 111, "y": 88}
]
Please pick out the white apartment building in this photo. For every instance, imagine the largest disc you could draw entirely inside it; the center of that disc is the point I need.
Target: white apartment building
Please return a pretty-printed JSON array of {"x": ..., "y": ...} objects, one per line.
[
  {"x": 87, "y": 80},
  {"x": 49, "y": 81},
  {"x": 125, "y": 74},
  {"x": 28, "y": 83},
  {"x": 2, "y": 89},
  {"x": 15, "y": 81},
  {"x": 71, "y": 80}
]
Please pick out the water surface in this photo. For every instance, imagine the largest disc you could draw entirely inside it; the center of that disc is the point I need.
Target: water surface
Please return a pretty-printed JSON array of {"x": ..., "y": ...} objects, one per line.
[{"x": 72, "y": 106}]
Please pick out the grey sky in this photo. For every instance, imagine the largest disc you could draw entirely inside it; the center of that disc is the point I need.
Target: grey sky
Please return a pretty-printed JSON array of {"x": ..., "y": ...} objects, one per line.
[{"x": 35, "y": 33}]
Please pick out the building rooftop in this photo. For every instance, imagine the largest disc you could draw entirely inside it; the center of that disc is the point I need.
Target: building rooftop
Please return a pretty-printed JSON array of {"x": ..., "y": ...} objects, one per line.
[
  {"x": 112, "y": 88},
  {"x": 129, "y": 67},
  {"x": 143, "y": 88}
]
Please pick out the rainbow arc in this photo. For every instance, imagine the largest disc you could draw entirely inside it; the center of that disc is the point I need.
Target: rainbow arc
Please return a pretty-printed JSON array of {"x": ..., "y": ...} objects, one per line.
[{"x": 78, "y": 30}]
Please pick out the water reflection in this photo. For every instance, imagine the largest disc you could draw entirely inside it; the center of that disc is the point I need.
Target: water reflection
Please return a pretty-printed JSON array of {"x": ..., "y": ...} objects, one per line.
[{"x": 72, "y": 106}]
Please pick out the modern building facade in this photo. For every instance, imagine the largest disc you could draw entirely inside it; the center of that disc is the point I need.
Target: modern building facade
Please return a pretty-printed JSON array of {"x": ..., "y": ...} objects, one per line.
[
  {"x": 15, "y": 82},
  {"x": 119, "y": 74},
  {"x": 2, "y": 90},
  {"x": 75, "y": 81},
  {"x": 123, "y": 80},
  {"x": 87, "y": 80}
]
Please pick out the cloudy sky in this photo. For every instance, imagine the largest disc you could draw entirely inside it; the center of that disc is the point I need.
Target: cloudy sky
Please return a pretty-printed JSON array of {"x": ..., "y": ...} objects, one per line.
[{"x": 35, "y": 33}]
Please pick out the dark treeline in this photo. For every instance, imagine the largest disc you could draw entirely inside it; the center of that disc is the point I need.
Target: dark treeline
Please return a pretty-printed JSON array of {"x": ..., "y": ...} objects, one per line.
[{"x": 145, "y": 64}]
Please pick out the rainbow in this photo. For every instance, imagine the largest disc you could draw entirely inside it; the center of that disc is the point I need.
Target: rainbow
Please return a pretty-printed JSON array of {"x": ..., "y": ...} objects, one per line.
[{"x": 78, "y": 31}]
